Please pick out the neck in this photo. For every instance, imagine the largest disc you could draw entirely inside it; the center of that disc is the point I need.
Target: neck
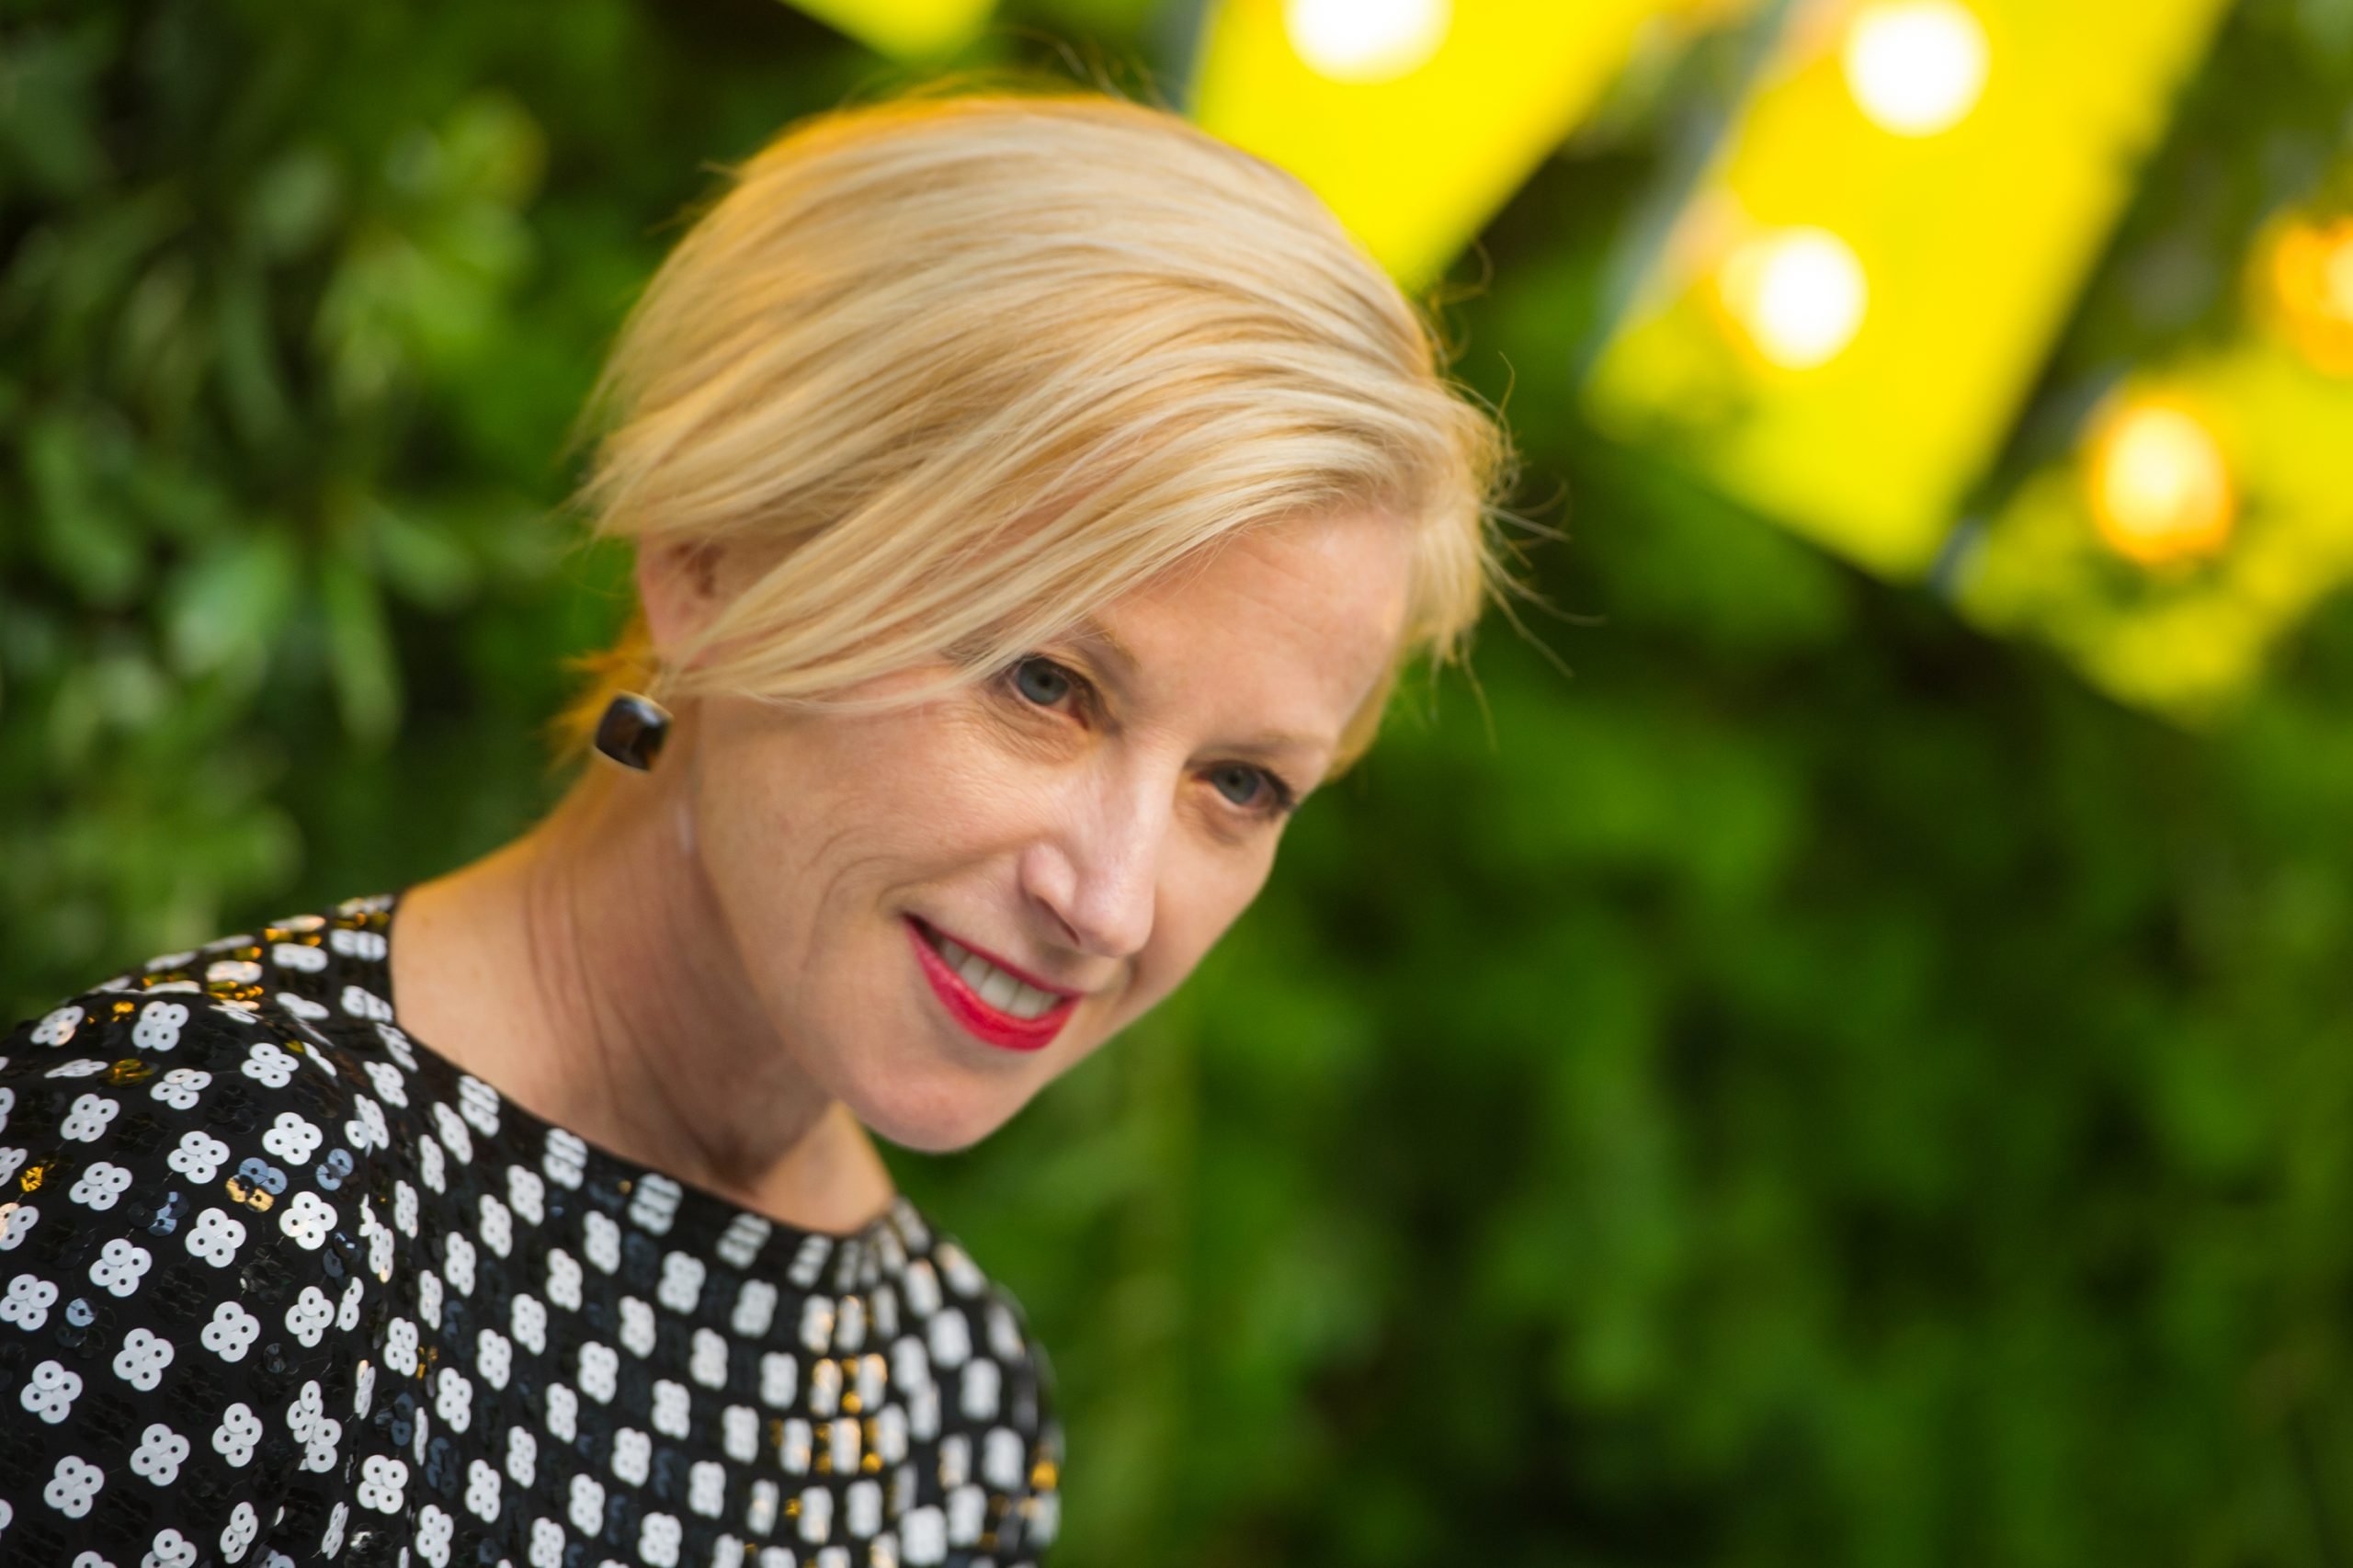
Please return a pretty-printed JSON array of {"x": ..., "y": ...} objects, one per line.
[{"x": 588, "y": 972}]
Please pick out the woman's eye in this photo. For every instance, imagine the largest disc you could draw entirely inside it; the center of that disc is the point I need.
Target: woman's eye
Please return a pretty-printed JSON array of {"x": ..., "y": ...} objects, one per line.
[
  {"x": 1042, "y": 681},
  {"x": 1249, "y": 787},
  {"x": 1240, "y": 785}
]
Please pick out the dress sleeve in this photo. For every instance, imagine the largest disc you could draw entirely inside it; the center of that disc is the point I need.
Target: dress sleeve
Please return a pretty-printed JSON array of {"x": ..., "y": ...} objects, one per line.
[
  {"x": 1039, "y": 1507},
  {"x": 184, "y": 1252}
]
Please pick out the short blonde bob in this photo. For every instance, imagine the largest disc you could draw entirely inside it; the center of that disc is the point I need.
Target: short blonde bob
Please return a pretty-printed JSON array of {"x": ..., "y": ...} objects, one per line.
[{"x": 962, "y": 368}]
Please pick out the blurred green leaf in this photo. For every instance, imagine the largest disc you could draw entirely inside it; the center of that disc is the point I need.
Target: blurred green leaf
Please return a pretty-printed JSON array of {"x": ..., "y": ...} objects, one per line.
[
  {"x": 229, "y": 605},
  {"x": 360, "y": 651},
  {"x": 89, "y": 545},
  {"x": 296, "y": 198},
  {"x": 253, "y": 386},
  {"x": 49, "y": 127},
  {"x": 420, "y": 559}
]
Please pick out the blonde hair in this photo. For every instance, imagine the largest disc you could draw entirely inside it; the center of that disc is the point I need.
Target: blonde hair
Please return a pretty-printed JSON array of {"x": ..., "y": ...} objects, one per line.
[{"x": 961, "y": 370}]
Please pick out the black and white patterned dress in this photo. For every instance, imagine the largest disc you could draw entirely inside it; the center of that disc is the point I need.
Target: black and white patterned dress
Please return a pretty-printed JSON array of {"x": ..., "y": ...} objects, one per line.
[{"x": 280, "y": 1286}]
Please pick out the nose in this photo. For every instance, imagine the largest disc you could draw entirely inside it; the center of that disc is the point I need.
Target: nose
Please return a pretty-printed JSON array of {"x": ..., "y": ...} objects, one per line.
[{"x": 1096, "y": 871}]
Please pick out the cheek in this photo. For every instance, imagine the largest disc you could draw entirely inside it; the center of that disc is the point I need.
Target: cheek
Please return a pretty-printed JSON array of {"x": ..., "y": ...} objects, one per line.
[
  {"x": 815, "y": 792},
  {"x": 1199, "y": 903},
  {"x": 811, "y": 829},
  {"x": 788, "y": 822}
]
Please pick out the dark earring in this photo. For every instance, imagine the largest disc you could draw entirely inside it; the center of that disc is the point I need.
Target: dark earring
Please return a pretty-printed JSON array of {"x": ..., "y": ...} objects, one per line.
[{"x": 633, "y": 730}]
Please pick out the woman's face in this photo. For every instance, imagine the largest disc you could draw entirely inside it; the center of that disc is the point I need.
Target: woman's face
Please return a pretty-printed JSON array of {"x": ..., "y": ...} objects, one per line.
[{"x": 1093, "y": 818}]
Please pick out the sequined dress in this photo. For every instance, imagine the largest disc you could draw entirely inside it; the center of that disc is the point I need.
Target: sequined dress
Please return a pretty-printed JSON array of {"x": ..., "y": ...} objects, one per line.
[{"x": 279, "y": 1284}]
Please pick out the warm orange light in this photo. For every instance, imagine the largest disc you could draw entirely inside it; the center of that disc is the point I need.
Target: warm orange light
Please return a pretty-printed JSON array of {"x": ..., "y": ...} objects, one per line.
[
  {"x": 2160, "y": 489},
  {"x": 2310, "y": 275}
]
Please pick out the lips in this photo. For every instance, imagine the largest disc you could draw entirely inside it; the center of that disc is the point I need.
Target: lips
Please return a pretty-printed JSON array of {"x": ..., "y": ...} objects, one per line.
[{"x": 990, "y": 1024}]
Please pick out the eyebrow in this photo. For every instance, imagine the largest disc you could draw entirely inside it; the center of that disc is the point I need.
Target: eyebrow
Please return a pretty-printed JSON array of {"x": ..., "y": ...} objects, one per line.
[
  {"x": 1091, "y": 633},
  {"x": 1094, "y": 635}
]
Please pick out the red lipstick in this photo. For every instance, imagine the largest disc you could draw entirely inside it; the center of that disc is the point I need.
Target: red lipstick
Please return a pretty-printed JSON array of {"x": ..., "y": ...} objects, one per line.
[{"x": 993, "y": 1025}]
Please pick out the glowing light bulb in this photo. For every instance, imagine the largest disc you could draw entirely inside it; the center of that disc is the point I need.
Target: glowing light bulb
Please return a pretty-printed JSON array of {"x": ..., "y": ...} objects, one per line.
[
  {"x": 2312, "y": 288},
  {"x": 1799, "y": 294},
  {"x": 1916, "y": 67},
  {"x": 2160, "y": 486},
  {"x": 1366, "y": 41}
]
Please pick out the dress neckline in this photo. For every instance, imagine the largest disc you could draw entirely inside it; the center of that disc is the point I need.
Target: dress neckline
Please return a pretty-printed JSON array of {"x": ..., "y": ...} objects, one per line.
[{"x": 694, "y": 1211}]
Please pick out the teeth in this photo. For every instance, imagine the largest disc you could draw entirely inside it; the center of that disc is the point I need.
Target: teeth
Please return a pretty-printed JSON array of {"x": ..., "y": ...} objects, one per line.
[{"x": 994, "y": 985}]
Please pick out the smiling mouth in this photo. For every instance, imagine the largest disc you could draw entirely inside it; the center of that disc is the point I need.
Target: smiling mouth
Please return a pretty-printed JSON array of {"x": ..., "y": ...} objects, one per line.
[
  {"x": 994, "y": 1005},
  {"x": 1006, "y": 991}
]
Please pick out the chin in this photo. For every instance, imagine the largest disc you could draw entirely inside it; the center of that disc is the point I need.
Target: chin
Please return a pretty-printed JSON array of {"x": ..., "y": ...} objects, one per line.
[{"x": 942, "y": 1119}]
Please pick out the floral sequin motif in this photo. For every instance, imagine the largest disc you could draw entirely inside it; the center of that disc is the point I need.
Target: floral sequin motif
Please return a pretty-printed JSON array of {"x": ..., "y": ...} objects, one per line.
[{"x": 297, "y": 1290}]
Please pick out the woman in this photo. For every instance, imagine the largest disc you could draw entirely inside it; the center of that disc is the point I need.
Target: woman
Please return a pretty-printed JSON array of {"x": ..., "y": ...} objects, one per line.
[{"x": 1034, "y": 499}]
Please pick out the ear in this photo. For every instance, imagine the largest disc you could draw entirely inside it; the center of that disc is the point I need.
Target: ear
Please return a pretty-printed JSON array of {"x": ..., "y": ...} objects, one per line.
[{"x": 677, "y": 585}]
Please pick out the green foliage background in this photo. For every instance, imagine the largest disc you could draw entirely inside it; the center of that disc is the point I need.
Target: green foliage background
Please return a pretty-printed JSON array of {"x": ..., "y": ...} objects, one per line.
[{"x": 1812, "y": 1086}]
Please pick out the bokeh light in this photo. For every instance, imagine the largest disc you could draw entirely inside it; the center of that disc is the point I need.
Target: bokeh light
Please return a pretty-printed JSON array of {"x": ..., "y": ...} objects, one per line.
[
  {"x": 2309, "y": 272},
  {"x": 1916, "y": 67},
  {"x": 1799, "y": 294},
  {"x": 1415, "y": 119},
  {"x": 2160, "y": 487},
  {"x": 1366, "y": 41}
]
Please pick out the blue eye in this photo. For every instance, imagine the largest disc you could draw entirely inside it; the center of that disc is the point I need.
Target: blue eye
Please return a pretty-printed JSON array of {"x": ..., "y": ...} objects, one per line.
[
  {"x": 1042, "y": 681},
  {"x": 1254, "y": 784},
  {"x": 1257, "y": 790}
]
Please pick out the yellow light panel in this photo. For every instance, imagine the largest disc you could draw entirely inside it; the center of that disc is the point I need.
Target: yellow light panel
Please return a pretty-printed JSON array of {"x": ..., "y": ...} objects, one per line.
[
  {"x": 1840, "y": 323},
  {"x": 1415, "y": 119},
  {"x": 2208, "y": 508},
  {"x": 906, "y": 29}
]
